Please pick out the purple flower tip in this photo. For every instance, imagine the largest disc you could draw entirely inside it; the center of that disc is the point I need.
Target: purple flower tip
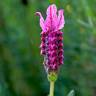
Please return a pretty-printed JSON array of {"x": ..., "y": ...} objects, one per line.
[{"x": 51, "y": 38}]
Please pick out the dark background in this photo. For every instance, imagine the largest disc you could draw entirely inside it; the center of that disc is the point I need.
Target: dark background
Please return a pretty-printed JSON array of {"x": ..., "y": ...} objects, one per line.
[{"x": 21, "y": 68}]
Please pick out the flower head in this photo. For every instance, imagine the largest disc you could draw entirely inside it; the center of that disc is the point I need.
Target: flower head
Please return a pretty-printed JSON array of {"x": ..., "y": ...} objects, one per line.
[{"x": 51, "y": 38}]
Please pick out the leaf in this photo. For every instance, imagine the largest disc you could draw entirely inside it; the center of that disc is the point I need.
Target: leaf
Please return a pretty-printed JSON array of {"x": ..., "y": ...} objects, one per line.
[{"x": 71, "y": 93}]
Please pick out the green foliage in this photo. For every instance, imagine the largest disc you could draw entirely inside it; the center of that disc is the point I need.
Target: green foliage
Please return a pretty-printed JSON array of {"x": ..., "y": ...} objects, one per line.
[
  {"x": 21, "y": 68},
  {"x": 71, "y": 93}
]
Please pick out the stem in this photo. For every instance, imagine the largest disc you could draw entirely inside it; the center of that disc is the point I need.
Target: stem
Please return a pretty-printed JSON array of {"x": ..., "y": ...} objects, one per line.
[
  {"x": 51, "y": 88},
  {"x": 52, "y": 77}
]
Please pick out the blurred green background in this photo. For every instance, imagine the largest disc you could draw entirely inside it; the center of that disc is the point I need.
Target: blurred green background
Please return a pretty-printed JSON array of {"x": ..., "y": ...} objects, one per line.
[{"x": 21, "y": 69}]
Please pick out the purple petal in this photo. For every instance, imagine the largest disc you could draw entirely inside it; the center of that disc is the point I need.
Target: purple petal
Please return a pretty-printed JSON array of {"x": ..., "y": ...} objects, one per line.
[
  {"x": 51, "y": 20},
  {"x": 61, "y": 20},
  {"x": 51, "y": 10},
  {"x": 42, "y": 25}
]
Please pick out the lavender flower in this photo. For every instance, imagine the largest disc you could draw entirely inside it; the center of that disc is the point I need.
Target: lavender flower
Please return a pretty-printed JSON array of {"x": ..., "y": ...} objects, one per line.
[{"x": 51, "y": 38}]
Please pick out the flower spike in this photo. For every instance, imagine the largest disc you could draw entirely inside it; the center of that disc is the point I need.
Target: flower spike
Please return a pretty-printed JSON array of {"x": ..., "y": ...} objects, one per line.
[{"x": 52, "y": 38}]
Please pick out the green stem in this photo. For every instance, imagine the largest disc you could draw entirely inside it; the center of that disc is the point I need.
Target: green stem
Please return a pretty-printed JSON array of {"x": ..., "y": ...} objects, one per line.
[
  {"x": 51, "y": 88},
  {"x": 52, "y": 77}
]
